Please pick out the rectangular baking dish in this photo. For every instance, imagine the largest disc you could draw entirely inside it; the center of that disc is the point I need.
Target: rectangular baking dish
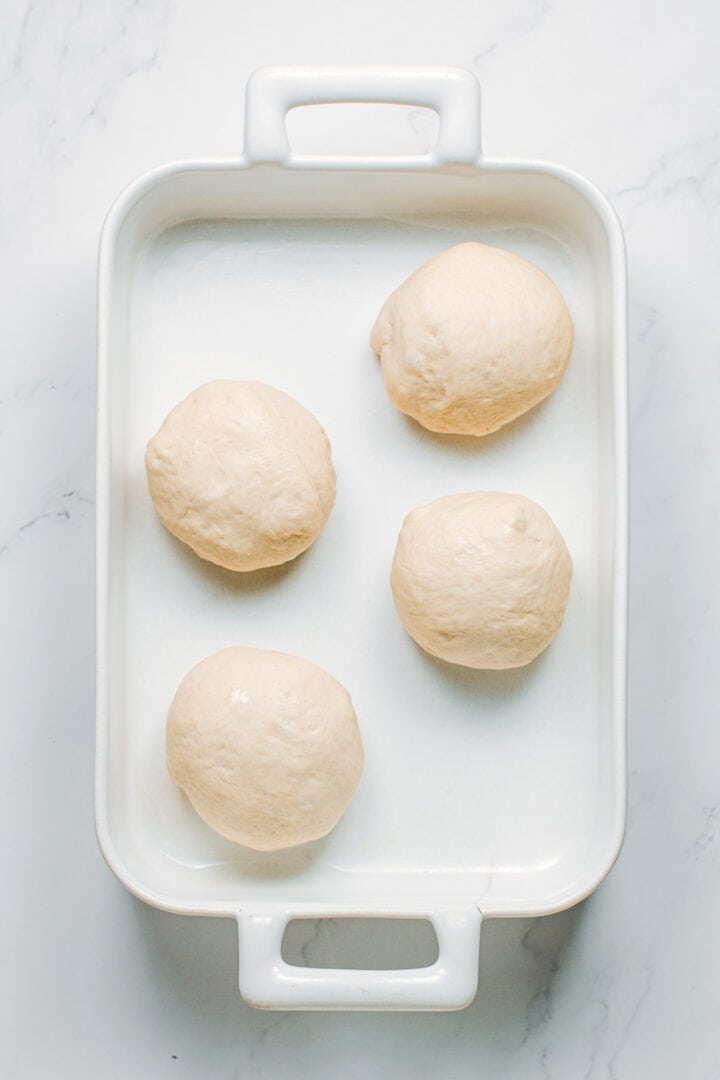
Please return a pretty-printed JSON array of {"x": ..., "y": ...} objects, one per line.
[{"x": 485, "y": 793}]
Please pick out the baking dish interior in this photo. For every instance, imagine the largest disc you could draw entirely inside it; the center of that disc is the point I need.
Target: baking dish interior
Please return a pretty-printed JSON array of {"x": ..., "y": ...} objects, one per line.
[{"x": 504, "y": 789}]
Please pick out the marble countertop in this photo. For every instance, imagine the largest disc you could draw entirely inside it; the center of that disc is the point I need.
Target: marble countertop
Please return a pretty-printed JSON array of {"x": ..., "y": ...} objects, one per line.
[{"x": 96, "y": 984}]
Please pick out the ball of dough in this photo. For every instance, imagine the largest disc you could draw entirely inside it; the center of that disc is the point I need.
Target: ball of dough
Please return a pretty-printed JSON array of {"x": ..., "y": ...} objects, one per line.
[
  {"x": 472, "y": 340},
  {"x": 241, "y": 473},
  {"x": 481, "y": 579},
  {"x": 265, "y": 746}
]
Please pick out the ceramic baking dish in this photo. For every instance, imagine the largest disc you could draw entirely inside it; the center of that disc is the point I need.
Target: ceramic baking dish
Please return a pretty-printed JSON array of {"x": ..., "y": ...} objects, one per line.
[{"x": 485, "y": 793}]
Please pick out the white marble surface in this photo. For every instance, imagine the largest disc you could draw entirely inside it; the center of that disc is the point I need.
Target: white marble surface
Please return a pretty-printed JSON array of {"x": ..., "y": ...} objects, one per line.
[{"x": 96, "y": 984}]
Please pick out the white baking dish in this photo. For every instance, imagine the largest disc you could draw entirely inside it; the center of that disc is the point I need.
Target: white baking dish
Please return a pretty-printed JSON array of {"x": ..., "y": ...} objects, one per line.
[{"x": 485, "y": 794}]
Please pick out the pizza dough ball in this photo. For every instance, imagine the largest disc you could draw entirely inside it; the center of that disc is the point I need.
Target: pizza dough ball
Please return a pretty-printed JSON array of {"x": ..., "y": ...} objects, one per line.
[
  {"x": 472, "y": 340},
  {"x": 241, "y": 473},
  {"x": 265, "y": 746},
  {"x": 481, "y": 579}
]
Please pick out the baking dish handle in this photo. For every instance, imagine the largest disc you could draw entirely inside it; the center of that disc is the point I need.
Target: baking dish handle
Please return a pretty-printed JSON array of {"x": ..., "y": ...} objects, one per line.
[
  {"x": 453, "y": 93},
  {"x": 268, "y": 982}
]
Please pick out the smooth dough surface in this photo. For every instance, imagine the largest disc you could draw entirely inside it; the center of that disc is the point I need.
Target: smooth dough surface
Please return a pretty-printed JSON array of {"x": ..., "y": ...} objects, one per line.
[
  {"x": 481, "y": 579},
  {"x": 473, "y": 339},
  {"x": 265, "y": 746},
  {"x": 241, "y": 473}
]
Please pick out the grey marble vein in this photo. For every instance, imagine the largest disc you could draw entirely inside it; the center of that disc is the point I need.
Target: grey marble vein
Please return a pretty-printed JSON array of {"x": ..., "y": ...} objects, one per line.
[{"x": 514, "y": 27}]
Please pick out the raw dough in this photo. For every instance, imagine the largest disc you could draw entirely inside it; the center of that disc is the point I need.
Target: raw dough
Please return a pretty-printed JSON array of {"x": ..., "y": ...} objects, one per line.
[
  {"x": 472, "y": 340},
  {"x": 241, "y": 473},
  {"x": 266, "y": 747},
  {"x": 481, "y": 579}
]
